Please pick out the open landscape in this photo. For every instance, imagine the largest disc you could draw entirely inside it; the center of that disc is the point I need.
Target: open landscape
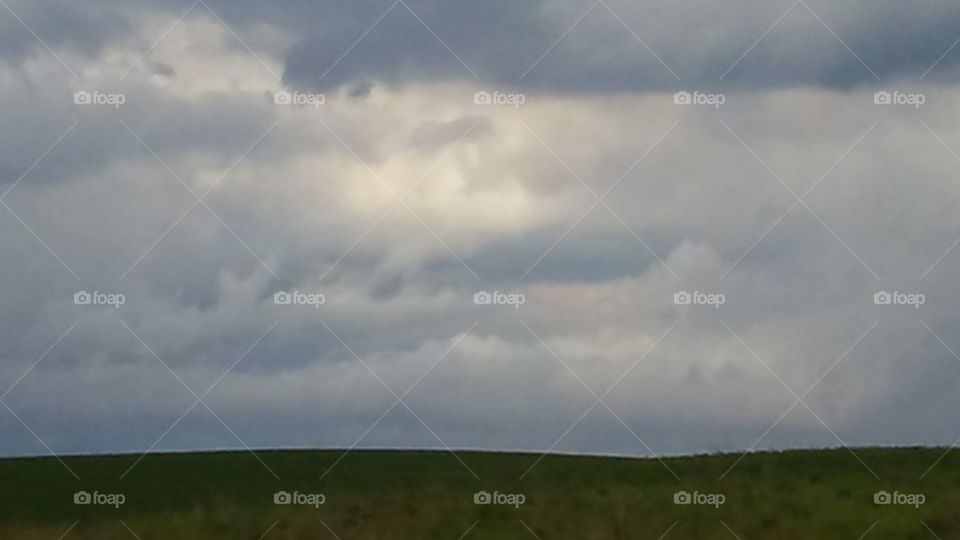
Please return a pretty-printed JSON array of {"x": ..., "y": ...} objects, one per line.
[
  {"x": 654, "y": 269},
  {"x": 822, "y": 494}
]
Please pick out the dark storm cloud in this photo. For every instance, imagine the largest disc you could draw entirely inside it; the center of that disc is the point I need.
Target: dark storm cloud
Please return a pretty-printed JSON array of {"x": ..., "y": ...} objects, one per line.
[{"x": 505, "y": 43}]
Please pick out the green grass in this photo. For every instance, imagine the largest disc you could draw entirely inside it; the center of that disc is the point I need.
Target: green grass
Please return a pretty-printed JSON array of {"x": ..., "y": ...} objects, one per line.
[{"x": 820, "y": 494}]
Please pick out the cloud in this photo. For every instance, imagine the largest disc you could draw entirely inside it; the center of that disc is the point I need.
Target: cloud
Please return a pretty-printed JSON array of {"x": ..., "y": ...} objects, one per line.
[
  {"x": 549, "y": 47},
  {"x": 598, "y": 199},
  {"x": 628, "y": 47}
]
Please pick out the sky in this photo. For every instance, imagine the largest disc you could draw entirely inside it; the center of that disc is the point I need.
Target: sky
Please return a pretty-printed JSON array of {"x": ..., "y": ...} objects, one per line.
[{"x": 703, "y": 226}]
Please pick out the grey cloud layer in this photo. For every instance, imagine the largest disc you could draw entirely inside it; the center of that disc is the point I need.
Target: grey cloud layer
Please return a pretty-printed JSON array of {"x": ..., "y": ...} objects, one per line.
[
  {"x": 493, "y": 204},
  {"x": 611, "y": 47}
]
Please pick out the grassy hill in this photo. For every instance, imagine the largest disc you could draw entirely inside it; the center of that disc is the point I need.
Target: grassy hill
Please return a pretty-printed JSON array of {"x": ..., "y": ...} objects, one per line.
[{"x": 822, "y": 494}]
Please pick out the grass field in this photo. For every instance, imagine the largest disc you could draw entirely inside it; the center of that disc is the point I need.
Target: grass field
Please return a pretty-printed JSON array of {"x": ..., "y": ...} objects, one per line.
[{"x": 821, "y": 494}]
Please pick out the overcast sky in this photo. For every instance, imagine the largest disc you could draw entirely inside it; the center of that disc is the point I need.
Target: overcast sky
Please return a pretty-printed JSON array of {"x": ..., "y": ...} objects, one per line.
[{"x": 786, "y": 195}]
